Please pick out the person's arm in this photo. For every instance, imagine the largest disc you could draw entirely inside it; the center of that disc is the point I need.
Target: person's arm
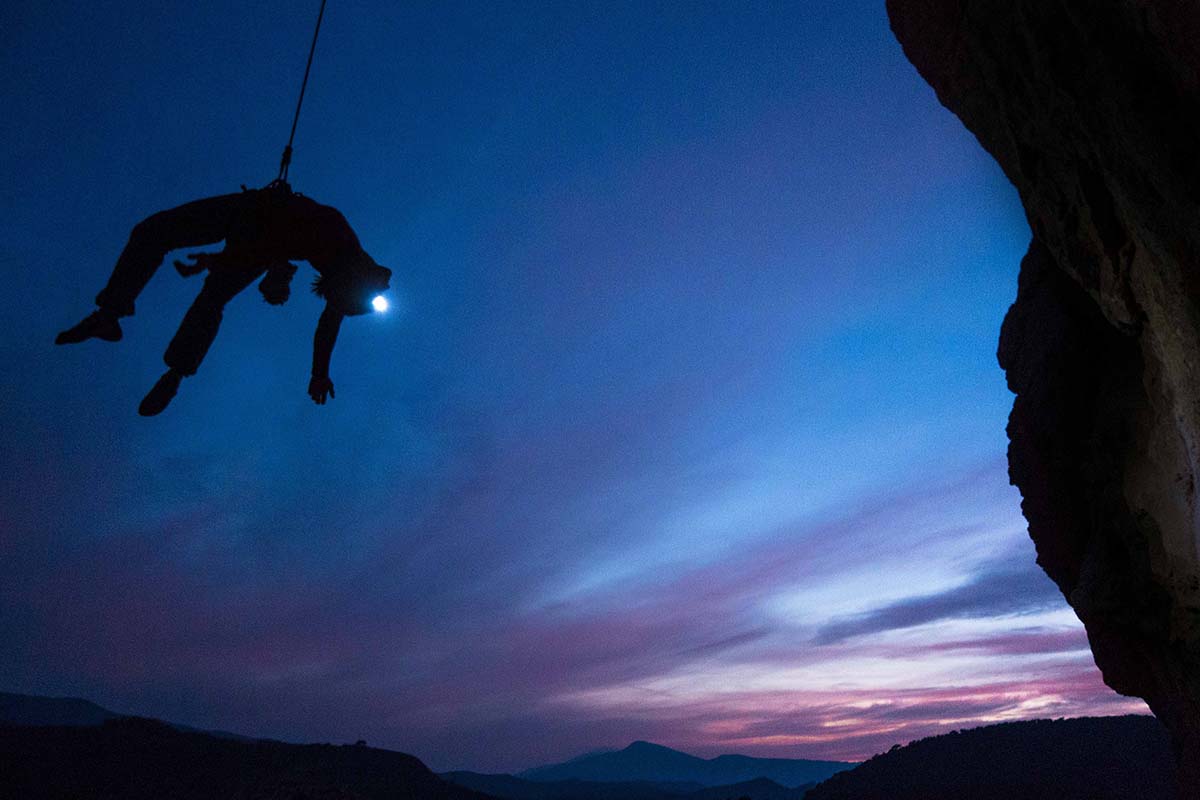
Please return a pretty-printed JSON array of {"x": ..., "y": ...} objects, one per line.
[{"x": 323, "y": 342}]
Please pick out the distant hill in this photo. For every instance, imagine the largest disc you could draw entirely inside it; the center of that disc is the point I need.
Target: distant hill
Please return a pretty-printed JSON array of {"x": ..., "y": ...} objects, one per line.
[
  {"x": 508, "y": 787},
  {"x": 1096, "y": 758},
  {"x": 31, "y": 709},
  {"x": 757, "y": 789},
  {"x": 647, "y": 762},
  {"x": 25, "y": 709},
  {"x": 140, "y": 759}
]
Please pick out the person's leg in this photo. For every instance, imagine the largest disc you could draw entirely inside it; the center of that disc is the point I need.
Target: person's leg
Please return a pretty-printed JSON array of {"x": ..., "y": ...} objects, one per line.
[
  {"x": 189, "y": 225},
  {"x": 199, "y": 327},
  {"x": 195, "y": 335}
]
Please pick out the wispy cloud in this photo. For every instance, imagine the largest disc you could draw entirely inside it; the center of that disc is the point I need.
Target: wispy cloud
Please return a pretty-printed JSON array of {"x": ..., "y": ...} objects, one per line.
[{"x": 1006, "y": 588}]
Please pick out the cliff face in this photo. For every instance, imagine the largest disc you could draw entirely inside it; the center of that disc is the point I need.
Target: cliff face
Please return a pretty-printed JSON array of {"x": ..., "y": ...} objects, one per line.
[{"x": 1092, "y": 108}]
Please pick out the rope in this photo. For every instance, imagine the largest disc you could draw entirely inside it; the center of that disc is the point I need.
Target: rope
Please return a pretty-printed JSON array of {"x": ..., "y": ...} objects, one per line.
[{"x": 285, "y": 160}]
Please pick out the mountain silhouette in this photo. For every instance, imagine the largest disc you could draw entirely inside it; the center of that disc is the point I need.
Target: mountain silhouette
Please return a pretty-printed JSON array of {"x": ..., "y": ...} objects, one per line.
[
  {"x": 757, "y": 789},
  {"x": 1096, "y": 758},
  {"x": 31, "y": 709},
  {"x": 73, "y": 748},
  {"x": 26, "y": 709},
  {"x": 508, "y": 787},
  {"x": 141, "y": 759},
  {"x": 649, "y": 762}
]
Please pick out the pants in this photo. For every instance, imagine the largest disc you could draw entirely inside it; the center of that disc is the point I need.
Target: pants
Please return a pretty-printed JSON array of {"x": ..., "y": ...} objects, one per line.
[
  {"x": 193, "y": 224},
  {"x": 199, "y": 327}
]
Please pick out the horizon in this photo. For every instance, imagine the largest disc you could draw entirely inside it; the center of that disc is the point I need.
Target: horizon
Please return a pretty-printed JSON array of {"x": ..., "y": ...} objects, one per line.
[
  {"x": 604, "y": 750},
  {"x": 685, "y": 424}
]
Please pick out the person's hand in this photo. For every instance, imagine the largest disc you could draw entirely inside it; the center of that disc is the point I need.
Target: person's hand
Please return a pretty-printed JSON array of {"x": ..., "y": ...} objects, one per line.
[
  {"x": 318, "y": 388},
  {"x": 200, "y": 262}
]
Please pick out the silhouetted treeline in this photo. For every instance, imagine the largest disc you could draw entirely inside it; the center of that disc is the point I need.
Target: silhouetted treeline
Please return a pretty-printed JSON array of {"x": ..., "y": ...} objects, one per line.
[
  {"x": 1097, "y": 758},
  {"x": 140, "y": 759}
]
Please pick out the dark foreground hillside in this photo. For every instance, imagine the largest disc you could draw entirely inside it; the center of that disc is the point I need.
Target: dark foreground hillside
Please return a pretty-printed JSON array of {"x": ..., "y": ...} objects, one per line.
[
  {"x": 508, "y": 787},
  {"x": 140, "y": 759},
  {"x": 1097, "y": 758}
]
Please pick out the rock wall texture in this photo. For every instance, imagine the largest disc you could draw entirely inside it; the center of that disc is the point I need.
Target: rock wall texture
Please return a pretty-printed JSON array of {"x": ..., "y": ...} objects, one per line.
[{"x": 1092, "y": 108}]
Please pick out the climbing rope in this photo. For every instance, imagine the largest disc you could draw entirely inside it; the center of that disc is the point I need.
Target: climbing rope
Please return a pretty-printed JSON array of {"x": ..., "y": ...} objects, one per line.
[{"x": 285, "y": 160}]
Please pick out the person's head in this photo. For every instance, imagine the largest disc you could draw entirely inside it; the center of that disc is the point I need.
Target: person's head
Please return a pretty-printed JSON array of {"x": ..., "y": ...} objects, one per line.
[{"x": 350, "y": 290}]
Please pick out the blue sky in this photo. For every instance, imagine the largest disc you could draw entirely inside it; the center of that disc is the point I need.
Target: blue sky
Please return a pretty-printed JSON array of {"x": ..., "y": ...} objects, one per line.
[{"x": 686, "y": 424}]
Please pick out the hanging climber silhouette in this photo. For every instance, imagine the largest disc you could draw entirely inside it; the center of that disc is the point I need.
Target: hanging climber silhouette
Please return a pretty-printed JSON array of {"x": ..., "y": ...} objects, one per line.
[{"x": 263, "y": 230}]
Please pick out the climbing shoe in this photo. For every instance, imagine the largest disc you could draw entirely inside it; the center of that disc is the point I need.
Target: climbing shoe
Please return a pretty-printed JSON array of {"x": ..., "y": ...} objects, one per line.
[
  {"x": 100, "y": 324},
  {"x": 159, "y": 397}
]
